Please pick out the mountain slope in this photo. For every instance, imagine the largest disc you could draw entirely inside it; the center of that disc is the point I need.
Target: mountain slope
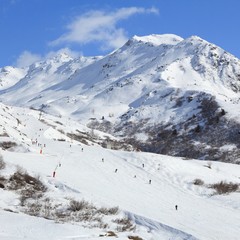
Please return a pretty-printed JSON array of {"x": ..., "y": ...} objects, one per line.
[{"x": 157, "y": 92}]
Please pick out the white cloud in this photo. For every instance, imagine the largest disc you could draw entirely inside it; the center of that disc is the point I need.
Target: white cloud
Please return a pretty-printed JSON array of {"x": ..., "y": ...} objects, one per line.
[
  {"x": 26, "y": 58},
  {"x": 100, "y": 26}
]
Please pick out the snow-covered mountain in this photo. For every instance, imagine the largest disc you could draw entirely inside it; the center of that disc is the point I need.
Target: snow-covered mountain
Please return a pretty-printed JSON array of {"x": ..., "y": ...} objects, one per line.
[
  {"x": 156, "y": 92},
  {"x": 82, "y": 143}
]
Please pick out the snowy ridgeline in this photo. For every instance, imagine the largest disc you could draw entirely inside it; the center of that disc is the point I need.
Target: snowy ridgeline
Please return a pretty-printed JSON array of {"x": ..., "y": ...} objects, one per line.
[
  {"x": 156, "y": 92},
  {"x": 53, "y": 186}
]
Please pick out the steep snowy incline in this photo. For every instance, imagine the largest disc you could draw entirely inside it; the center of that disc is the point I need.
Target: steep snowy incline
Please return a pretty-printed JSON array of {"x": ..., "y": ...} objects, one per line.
[
  {"x": 203, "y": 66},
  {"x": 10, "y": 75},
  {"x": 45, "y": 83},
  {"x": 42, "y": 75},
  {"x": 142, "y": 65},
  {"x": 155, "y": 91}
]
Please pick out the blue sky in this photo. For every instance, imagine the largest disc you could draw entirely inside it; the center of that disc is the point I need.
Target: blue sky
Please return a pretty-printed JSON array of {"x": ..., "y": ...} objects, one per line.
[{"x": 34, "y": 29}]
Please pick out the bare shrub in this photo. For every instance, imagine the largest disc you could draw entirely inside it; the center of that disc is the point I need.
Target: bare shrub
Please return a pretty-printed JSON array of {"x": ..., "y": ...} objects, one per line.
[
  {"x": 198, "y": 182},
  {"x": 28, "y": 193},
  {"x": 97, "y": 219},
  {"x": 34, "y": 208},
  {"x": 103, "y": 210},
  {"x": 100, "y": 225},
  {"x": 34, "y": 204},
  {"x": 108, "y": 211},
  {"x": 26, "y": 185},
  {"x": 61, "y": 214},
  {"x": 113, "y": 210},
  {"x": 7, "y": 145},
  {"x": 84, "y": 216},
  {"x": 2, "y": 163},
  {"x": 23, "y": 180},
  {"x": 23, "y": 198},
  {"x": 75, "y": 206},
  {"x": 48, "y": 208},
  {"x": 124, "y": 224},
  {"x": 224, "y": 187},
  {"x": 83, "y": 211},
  {"x": 41, "y": 208}
]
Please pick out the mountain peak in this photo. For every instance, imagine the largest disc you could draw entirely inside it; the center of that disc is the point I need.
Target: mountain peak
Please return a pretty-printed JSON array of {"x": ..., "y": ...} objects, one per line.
[
  {"x": 159, "y": 39},
  {"x": 62, "y": 57},
  {"x": 158, "y": 82},
  {"x": 195, "y": 37}
]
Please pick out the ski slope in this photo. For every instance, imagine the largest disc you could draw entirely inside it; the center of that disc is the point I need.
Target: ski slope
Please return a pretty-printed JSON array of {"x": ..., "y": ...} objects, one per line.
[{"x": 82, "y": 174}]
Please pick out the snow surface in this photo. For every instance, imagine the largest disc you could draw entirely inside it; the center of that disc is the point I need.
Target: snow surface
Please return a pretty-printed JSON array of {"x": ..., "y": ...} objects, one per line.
[{"x": 83, "y": 175}]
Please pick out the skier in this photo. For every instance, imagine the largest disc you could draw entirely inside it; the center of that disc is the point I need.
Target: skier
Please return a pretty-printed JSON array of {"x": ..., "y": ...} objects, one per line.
[
  {"x": 176, "y": 207},
  {"x": 102, "y": 159},
  {"x": 116, "y": 170},
  {"x": 150, "y": 181},
  {"x": 143, "y": 165}
]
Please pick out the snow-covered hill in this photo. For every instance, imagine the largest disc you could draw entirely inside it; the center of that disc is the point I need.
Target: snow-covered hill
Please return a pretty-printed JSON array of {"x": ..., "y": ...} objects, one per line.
[
  {"x": 106, "y": 180},
  {"x": 157, "y": 92}
]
